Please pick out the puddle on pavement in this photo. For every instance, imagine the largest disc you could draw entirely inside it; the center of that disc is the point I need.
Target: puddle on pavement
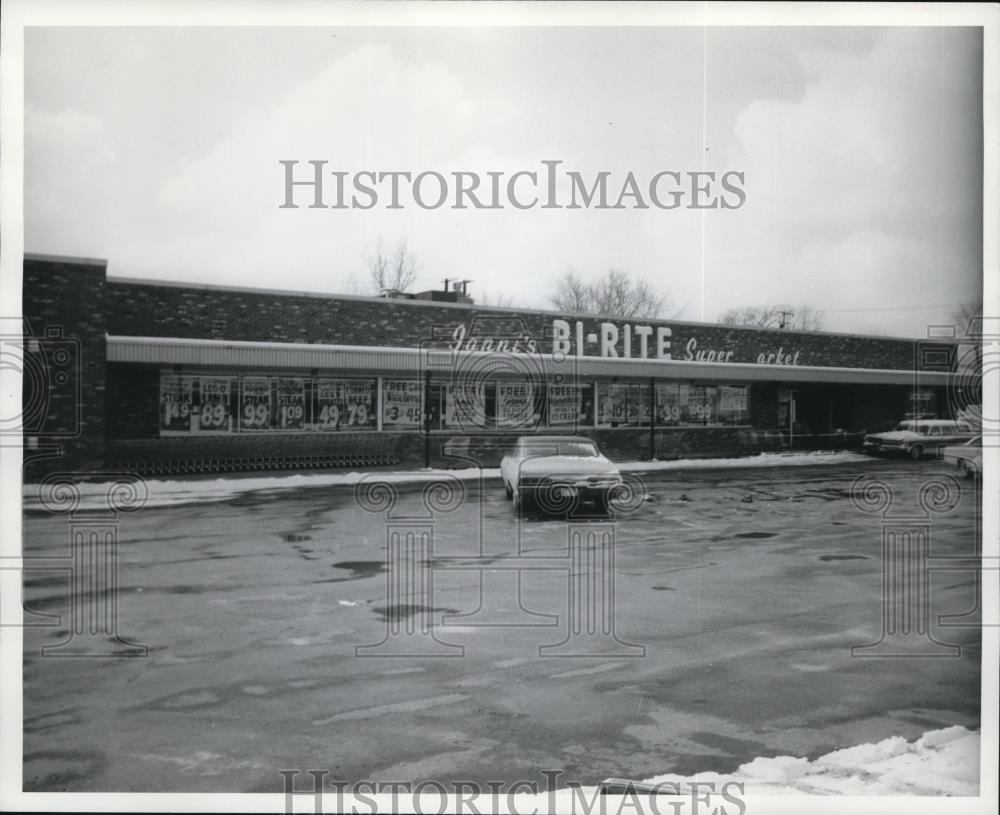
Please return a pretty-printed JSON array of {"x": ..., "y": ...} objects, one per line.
[
  {"x": 755, "y": 535},
  {"x": 404, "y": 611},
  {"x": 295, "y": 537},
  {"x": 188, "y": 589},
  {"x": 46, "y": 721},
  {"x": 46, "y": 582},
  {"x": 445, "y": 562},
  {"x": 359, "y": 569},
  {"x": 55, "y": 770},
  {"x": 664, "y": 588},
  {"x": 843, "y": 557}
]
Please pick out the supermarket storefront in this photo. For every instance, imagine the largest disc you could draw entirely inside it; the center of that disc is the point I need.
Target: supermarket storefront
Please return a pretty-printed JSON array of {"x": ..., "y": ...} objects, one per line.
[{"x": 198, "y": 378}]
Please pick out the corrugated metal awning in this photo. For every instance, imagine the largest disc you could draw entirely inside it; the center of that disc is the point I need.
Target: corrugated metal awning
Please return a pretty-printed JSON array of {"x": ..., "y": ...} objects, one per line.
[{"x": 379, "y": 360}]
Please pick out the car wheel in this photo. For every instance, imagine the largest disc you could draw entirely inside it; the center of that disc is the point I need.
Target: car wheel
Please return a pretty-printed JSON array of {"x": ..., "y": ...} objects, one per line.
[
  {"x": 966, "y": 468},
  {"x": 916, "y": 452}
]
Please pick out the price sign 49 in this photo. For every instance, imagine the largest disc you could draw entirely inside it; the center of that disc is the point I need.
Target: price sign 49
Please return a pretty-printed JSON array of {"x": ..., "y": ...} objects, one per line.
[
  {"x": 343, "y": 404},
  {"x": 175, "y": 402}
]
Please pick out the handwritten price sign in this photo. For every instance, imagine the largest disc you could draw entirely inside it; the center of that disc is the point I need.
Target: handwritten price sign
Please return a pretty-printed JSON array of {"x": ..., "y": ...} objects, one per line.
[{"x": 255, "y": 403}]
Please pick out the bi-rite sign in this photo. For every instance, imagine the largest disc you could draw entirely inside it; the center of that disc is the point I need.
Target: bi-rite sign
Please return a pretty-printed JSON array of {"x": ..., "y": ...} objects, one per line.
[{"x": 622, "y": 340}]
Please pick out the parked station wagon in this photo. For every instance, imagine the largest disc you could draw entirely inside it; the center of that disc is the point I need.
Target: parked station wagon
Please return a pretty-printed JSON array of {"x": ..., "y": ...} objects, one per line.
[
  {"x": 919, "y": 437},
  {"x": 968, "y": 457}
]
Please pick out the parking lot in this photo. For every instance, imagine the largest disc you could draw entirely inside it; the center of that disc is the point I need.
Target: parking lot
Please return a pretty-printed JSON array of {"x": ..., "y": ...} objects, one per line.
[{"x": 735, "y": 597}]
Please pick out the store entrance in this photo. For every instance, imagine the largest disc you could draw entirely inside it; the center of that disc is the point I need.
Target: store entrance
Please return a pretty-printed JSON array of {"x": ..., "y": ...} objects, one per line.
[{"x": 820, "y": 409}]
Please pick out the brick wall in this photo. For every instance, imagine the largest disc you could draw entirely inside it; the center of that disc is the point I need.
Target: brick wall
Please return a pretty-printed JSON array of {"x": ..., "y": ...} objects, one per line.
[
  {"x": 191, "y": 313},
  {"x": 133, "y": 401},
  {"x": 64, "y": 305},
  {"x": 119, "y": 402}
]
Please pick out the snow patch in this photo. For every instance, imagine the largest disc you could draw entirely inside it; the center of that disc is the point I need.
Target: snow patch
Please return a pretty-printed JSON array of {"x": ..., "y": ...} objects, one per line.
[
  {"x": 941, "y": 762},
  {"x": 164, "y": 493},
  {"x": 814, "y": 458}
]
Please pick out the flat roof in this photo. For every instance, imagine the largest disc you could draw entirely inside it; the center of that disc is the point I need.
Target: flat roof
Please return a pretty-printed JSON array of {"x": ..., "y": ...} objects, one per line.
[
  {"x": 65, "y": 259},
  {"x": 513, "y": 310}
]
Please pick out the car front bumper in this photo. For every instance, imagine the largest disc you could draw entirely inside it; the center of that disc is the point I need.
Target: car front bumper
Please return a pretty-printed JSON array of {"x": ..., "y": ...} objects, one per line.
[{"x": 570, "y": 492}]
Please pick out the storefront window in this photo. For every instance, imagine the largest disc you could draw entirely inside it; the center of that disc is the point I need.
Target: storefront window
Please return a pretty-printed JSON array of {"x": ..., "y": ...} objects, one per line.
[
  {"x": 698, "y": 404},
  {"x": 255, "y": 403},
  {"x": 733, "y": 407},
  {"x": 290, "y": 401},
  {"x": 564, "y": 404},
  {"x": 344, "y": 404},
  {"x": 668, "y": 409},
  {"x": 610, "y": 404},
  {"x": 401, "y": 400},
  {"x": 622, "y": 405},
  {"x": 195, "y": 403},
  {"x": 215, "y": 408},
  {"x": 516, "y": 404},
  {"x": 465, "y": 406},
  {"x": 176, "y": 402}
]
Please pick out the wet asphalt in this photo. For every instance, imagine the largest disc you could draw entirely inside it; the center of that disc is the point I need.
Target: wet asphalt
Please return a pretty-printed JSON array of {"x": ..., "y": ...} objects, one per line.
[{"x": 726, "y": 633}]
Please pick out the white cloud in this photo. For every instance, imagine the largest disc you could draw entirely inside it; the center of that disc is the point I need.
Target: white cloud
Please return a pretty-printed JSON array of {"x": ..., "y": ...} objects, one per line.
[
  {"x": 59, "y": 145},
  {"x": 863, "y": 189}
]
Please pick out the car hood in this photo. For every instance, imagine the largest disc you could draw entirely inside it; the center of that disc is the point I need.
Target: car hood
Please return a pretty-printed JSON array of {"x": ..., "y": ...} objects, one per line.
[
  {"x": 896, "y": 435},
  {"x": 543, "y": 465}
]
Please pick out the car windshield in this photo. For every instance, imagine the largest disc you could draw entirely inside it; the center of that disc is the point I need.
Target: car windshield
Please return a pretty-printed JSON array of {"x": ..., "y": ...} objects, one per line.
[
  {"x": 903, "y": 426},
  {"x": 562, "y": 448},
  {"x": 976, "y": 442}
]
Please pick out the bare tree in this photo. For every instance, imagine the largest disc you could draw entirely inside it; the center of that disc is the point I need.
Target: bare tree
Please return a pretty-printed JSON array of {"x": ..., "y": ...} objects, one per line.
[
  {"x": 968, "y": 320},
  {"x": 499, "y": 299},
  {"x": 618, "y": 292},
  {"x": 392, "y": 269},
  {"x": 780, "y": 315},
  {"x": 571, "y": 293}
]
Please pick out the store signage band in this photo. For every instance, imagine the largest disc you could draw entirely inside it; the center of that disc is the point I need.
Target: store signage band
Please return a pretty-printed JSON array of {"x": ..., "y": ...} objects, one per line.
[{"x": 614, "y": 340}]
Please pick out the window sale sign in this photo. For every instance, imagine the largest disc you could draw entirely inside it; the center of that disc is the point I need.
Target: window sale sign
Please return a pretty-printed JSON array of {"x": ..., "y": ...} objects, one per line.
[
  {"x": 255, "y": 403},
  {"x": 214, "y": 415},
  {"x": 291, "y": 399},
  {"x": 401, "y": 403},
  {"x": 175, "y": 402}
]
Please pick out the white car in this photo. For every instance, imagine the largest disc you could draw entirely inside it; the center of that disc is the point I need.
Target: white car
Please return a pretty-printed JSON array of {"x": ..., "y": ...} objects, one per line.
[
  {"x": 918, "y": 437},
  {"x": 557, "y": 473},
  {"x": 968, "y": 457}
]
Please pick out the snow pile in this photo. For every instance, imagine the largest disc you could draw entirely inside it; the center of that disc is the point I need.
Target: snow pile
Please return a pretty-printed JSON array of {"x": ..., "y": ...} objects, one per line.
[
  {"x": 198, "y": 490},
  {"x": 815, "y": 458},
  {"x": 204, "y": 490},
  {"x": 941, "y": 762}
]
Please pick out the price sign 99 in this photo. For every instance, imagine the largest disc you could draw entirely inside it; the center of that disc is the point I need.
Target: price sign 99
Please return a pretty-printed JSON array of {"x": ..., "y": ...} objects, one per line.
[{"x": 255, "y": 411}]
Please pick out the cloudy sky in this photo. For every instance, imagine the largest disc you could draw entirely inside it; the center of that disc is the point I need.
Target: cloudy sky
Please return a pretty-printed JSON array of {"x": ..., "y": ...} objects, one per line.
[{"x": 158, "y": 149}]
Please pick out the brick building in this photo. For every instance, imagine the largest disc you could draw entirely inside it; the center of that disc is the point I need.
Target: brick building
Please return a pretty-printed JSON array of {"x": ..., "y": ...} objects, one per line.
[{"x": 169, "y": 377}]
